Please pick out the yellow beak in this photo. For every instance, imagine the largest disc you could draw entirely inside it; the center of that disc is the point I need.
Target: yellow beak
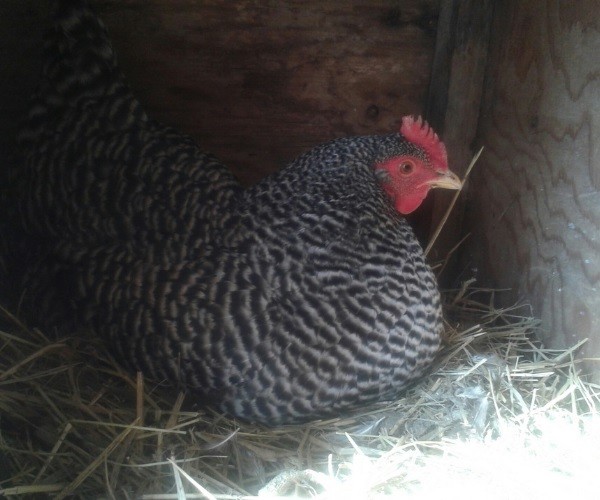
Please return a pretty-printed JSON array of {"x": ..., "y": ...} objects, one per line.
[{"x": 445, "y": 180}]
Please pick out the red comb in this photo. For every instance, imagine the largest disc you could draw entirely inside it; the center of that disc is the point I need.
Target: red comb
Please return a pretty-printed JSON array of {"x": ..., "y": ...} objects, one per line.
[{"x": 421, "y": 134}]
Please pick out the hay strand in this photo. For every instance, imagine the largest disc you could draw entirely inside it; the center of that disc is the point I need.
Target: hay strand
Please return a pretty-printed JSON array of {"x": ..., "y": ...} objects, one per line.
[{"x": 442, "y": 222}]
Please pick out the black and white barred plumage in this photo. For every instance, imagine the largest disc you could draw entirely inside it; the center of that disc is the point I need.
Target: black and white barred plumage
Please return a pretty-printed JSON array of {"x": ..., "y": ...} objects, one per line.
[{"x": 300, "y": 297}]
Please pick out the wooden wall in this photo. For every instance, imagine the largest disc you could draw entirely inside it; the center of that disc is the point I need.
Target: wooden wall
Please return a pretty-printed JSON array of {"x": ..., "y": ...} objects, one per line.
[
  {"x": 256, "y": 82},
  {"x": 534, "y": 203}
]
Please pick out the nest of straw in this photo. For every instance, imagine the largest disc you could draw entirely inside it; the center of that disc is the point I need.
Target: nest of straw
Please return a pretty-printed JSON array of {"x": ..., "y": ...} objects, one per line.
[{"x": 498, "y": 416}]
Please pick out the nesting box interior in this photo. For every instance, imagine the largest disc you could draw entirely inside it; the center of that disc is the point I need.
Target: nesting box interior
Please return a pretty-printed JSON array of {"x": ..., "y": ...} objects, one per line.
[{"x": 257, "y": 83}]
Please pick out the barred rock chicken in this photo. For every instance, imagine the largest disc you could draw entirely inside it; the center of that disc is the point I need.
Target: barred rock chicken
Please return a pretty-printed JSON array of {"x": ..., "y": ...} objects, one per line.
[{"x": 300, "y": 297}]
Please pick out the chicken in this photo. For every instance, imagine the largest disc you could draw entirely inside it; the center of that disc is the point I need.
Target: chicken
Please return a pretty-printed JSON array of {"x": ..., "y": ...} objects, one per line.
[{"x": 303, "y": 296}]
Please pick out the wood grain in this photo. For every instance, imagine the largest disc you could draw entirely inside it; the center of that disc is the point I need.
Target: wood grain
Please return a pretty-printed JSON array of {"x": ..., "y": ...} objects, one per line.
[
  {"x": 256, "y": 82},
  {"x": 535, "y": 200},
  {"x": 260, "y": 82}
]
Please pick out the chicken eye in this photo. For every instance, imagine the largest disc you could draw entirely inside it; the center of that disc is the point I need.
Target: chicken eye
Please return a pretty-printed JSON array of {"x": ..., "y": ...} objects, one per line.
[{"x": 406, "y": 167}]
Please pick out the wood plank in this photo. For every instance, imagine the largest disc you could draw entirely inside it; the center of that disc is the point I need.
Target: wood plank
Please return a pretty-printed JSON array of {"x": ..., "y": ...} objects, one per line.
[
  {"x": 259, "y": 82},
  {"x": 535, "y": 198},
  {"x": 453, "y": 107}
]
